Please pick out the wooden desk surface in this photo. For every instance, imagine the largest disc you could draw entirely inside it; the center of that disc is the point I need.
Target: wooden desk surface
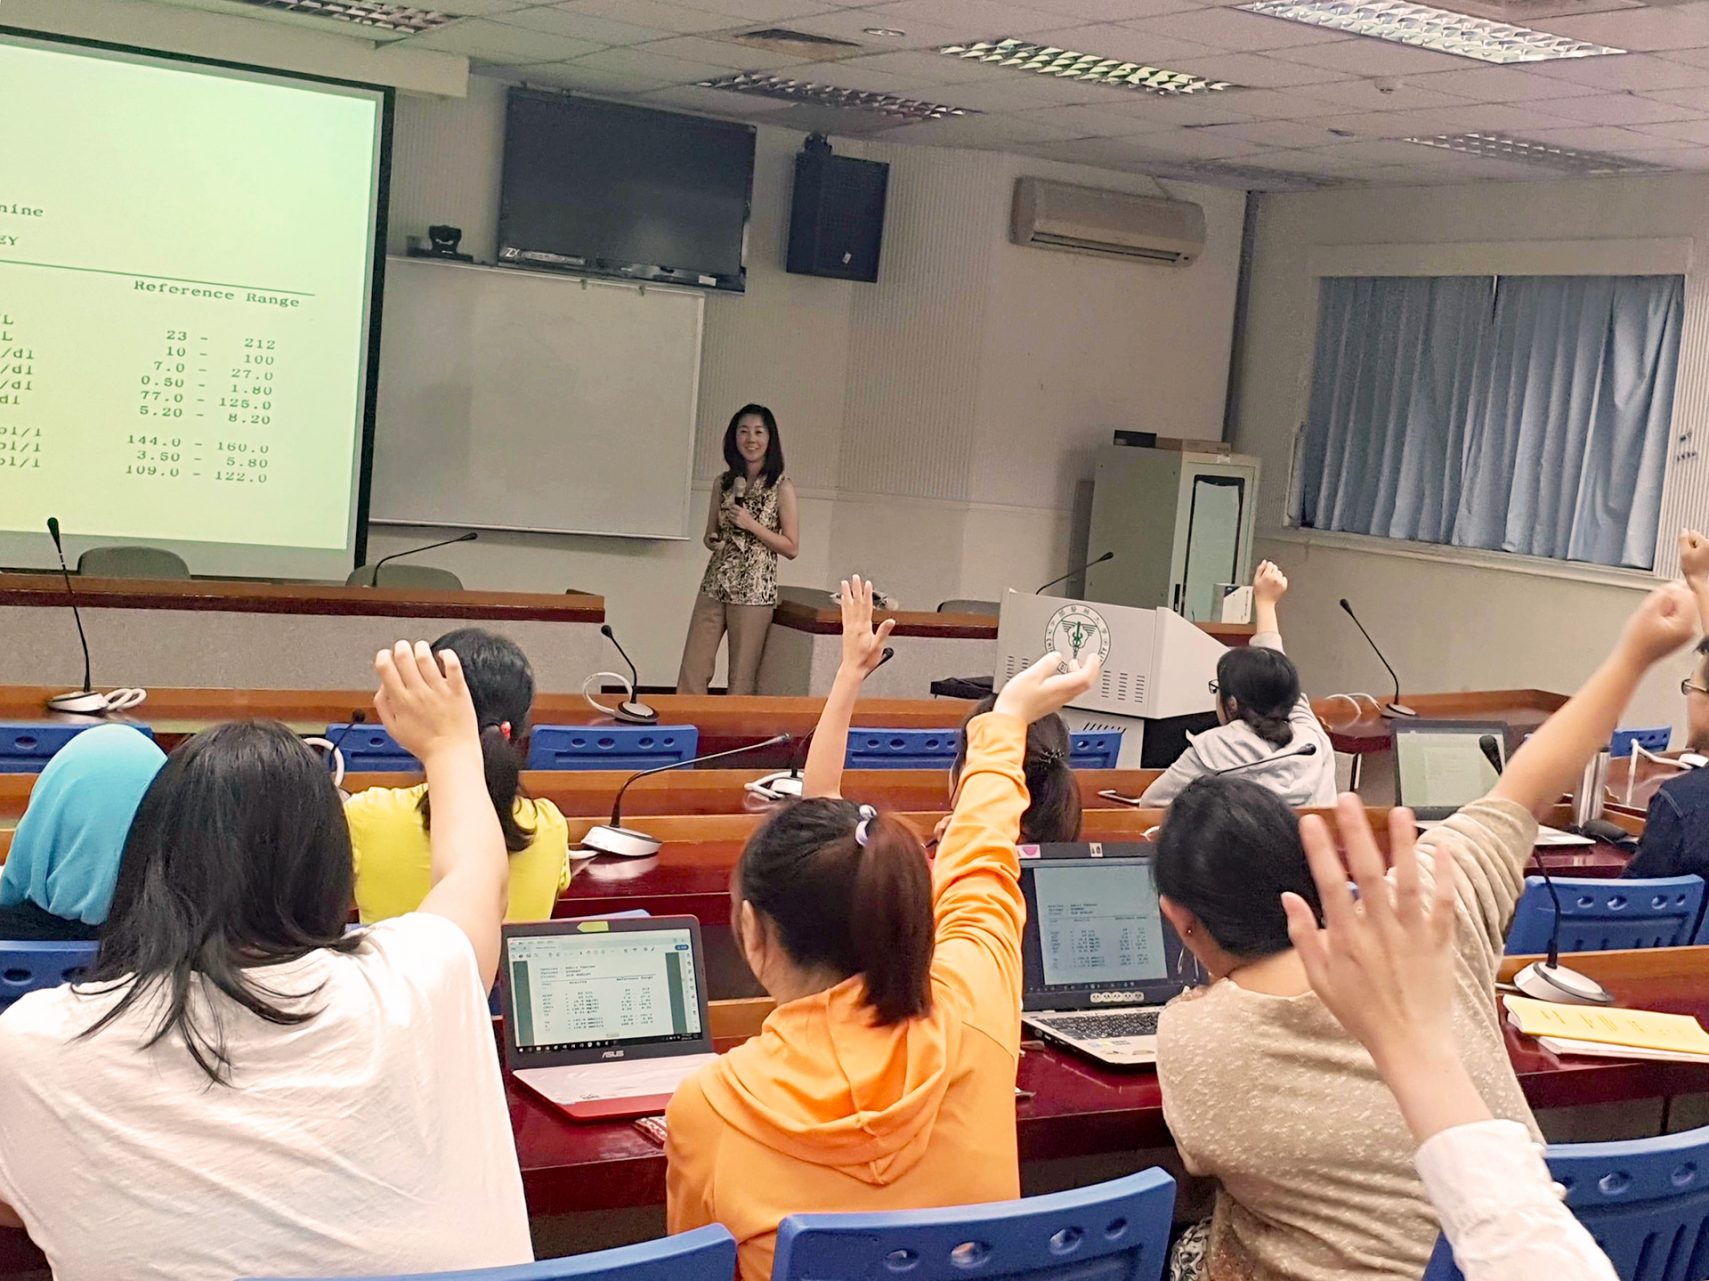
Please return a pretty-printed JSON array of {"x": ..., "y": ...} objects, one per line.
[
  {"x": 826, "y": 619},
  {"x": 1369, "y": 731},
  {"x": 253, "y": 597}
]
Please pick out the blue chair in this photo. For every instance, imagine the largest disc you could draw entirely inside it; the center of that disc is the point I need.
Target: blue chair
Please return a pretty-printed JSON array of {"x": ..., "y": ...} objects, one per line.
[
  {"x": 1651, "y": 740},
  {"x": 1600, "y": 915},
  {"x": 369, "y": 749},
  {"x": 27, "y": 746},
  {"x": 1115, "y": 1231},
  {"x": 1095, "y": 749},
  {"x": 901, "y": 748},
  {"x": 27, "y": 967},
  {"x": 705, "y": 1254},
  {"x": 1646, "y": 1201},
  {"x": 619, "y": 747}
]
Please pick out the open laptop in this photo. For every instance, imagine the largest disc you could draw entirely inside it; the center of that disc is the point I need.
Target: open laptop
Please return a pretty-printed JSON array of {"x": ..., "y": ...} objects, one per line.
[
  {"x": 1441, "y": 766},
  {"x": 1099, "y": 960},
  {"x": 605, "y": 1017}
]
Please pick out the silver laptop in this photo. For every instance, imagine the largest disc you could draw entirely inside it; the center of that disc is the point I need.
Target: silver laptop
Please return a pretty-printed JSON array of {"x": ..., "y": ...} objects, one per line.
[
  {"x": 1441, "y": 766},
  {"x": 1099, "y": 960},
  {"x": 605, "y": 1017}
]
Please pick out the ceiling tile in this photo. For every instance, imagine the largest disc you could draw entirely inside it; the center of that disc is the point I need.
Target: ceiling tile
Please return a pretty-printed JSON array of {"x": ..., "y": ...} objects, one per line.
[
  {"x": 1643, "y": 72},
  {"x": 1197, "y": 109},
  {"x": 1624, "y": 108},
  {"x": 1690, "y": 57},
  {"x": 1590, "y": 138},
  {"x": 715, "y": 102},
  {"x": 1107, "y": 40},
  {"x": 1639, "y": 30},
  {"x": 660, "y": 14},
  {"x": 1005, "y": 89},
  {"x": 1234, "y": 30},
  {"x": 1196, "y": 144},
  {"x": 1113, "y": 10},
  {"x": 1471, "y": 117},
  {"x": 1371, "y": 95},
  {"x": 1697, "y": 100},
  {"x": 856, "y": 74},
  {"x": 1496, "y": 84},
  {"x": 583, "y": 26},
  {"x": 1278, "y": 134},
  {"x": 570, "y": 75},
  {"x": 1255, "y": 71},
  {"x": 976, "y": 19},
  {"x": 758, "y": 10},
  {"x": 1280, "y": 104},
  {"x": 1392, "y": 151},
  {"x": 1094, "y": 122},
  {"x": 851, "y": 24},
  {"x": 978, "y": 130},
  {"x": 1693, "y": 131},
  {"x": 723, "y": 53},
  {"x": 926, "y": 68},
  {"x": 1367, "y": 56},
  {"x": 1681, "y": 157},
  {"x": 468, "y": 8},
  {"x": 636, "y": 60},
  {"x": 495, "y": 42}
]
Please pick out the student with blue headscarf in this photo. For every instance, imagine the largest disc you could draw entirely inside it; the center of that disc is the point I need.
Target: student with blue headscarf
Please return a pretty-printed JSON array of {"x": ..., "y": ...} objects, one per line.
[{"x": 58, "y": 879}]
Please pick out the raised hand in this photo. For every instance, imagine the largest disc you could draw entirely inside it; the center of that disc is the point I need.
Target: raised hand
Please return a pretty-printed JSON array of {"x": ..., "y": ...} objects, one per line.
[
  {"x": 1384, "y": 965},
  {"x": 423, "y": 701},
  {"x": 1269, "y": 584},
  {"x": 1047, "y": 686},
  {"x": 1693, "y": 555},
  {"x": 863, "y": 644},
  {"x": 1664, "y": 622}
]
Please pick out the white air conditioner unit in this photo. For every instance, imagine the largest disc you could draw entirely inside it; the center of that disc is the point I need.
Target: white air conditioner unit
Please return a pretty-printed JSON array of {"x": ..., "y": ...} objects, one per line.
[{"x": 1113, "y": 224}]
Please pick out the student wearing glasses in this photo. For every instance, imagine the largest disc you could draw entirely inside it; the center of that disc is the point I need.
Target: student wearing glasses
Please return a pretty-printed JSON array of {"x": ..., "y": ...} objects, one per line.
[{"x": 1676, "y": 830}]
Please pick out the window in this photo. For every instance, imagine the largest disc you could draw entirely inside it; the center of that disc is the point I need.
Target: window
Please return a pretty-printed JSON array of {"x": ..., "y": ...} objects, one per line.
[{"x": 1525, "y": 414}]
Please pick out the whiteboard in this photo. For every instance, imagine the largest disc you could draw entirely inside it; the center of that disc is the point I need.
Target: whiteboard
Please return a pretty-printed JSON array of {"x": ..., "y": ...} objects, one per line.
[{"x": 520, "y": 400}]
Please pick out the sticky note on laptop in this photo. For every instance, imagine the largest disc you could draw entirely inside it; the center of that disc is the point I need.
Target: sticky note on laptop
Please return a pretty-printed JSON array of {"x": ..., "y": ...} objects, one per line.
[{"x": 1644, "y": 1029}]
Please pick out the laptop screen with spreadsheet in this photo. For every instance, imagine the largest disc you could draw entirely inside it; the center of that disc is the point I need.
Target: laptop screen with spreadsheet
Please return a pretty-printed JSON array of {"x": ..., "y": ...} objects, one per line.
[{"x": 574, "y": 992}]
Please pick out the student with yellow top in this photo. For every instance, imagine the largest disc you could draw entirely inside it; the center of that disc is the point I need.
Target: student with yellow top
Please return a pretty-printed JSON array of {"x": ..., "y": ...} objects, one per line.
[
  {"x": 389, "y": 826},
  {"x": 884, "y": 1080}
]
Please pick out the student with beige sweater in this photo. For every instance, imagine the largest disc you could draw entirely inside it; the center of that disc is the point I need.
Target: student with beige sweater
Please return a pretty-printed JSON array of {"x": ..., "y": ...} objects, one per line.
[{"x": 1263, "y": 1089}]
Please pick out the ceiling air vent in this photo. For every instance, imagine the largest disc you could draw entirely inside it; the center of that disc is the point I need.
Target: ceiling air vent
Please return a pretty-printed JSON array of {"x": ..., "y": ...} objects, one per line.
[
  {"x": 407, "y": 19},
  {"x": 783, "y": 40}
]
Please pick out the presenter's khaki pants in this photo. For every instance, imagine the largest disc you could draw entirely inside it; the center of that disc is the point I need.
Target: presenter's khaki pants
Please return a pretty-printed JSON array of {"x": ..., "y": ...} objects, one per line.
[{"x": 747, "y": 626}]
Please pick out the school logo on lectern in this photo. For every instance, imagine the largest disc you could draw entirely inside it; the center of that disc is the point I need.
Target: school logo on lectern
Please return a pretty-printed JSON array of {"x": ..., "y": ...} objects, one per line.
[{"x": 1077, "y": 631}]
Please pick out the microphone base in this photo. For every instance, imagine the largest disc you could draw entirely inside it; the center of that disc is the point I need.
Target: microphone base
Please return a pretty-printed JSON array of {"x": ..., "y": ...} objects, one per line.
[
  {"x": 623, "y": 842},
  {"x": 1397, "y": 710},
  {"x": 82, "y": 702},
  {"x": 783, "y": 785},
  {"x": 1544, "y": 982},
  {"x": 635, "y": 714}
]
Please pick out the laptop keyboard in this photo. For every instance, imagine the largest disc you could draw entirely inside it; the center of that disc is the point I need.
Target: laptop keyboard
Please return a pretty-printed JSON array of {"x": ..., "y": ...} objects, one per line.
[{"x": 1103, "y": 1026}]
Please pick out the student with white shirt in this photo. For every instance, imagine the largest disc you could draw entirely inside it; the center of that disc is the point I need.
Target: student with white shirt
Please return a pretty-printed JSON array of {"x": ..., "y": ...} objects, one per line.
[
  {"x": 1268, "y": 731},
  {"x": 243, "y": 1089},
  {"x": 1386, "y": 972}
]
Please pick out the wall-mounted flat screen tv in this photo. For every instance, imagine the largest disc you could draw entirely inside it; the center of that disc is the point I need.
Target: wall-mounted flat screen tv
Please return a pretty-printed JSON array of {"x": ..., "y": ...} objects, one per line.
[{"x": 600, "y": 188}]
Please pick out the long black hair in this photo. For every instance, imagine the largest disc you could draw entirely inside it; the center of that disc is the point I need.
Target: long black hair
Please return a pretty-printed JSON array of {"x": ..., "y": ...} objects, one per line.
[
  {"x": 1053, "y": 795},
  {"x": 501, "y": 685},
  {"x": 1264, "y": 685},
  {"x": 771, "y": 471},
  {"x": 1228, "y": 849},
  {"x": 238, "y": 858},
  {"x": 844, "y": 906}
]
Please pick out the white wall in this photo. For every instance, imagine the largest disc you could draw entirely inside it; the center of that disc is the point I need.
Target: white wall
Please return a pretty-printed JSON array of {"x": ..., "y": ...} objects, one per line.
[
  {"x": 1446, "y": 625},
  {"x": 938, "y": 424}
]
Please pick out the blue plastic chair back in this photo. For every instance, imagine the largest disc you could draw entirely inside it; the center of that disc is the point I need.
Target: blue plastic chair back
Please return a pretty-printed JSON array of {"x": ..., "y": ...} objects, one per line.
[
  {"x": 705, "y": 1254},
  {"x": 27, "y": 746},
  {"x": 1115, "y": 1231},
  {"x": 1095, "y": 749},
  {"x": 369, "y": 749},
  {"x": 619, "y": 747},
  {"x": 1601, "y": 915},
  {"x": 902, "y": 749},
  {"x": 1646, "y": 1201},
  {"x": 29, "y": 966},
  {"x": 1651, "y": 740}
]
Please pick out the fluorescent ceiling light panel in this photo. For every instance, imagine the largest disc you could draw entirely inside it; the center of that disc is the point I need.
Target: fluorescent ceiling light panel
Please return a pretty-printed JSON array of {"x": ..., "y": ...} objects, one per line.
[
  {"x": 407, "y": 18},
  {"x": 823, "y": 95},
  {"x": 1492, "y": 146},
  {"x": 1425, "y": 27},
  {"x": 1089, "y": 68}
]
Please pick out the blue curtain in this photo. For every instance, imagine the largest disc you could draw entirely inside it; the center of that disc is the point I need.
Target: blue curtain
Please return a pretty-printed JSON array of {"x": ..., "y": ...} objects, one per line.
[{"x": 1526, "y": 414}]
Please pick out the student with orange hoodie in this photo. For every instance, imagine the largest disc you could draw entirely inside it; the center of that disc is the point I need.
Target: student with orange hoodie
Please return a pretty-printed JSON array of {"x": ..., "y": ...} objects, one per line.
[{"x": 884, "y": 1080}]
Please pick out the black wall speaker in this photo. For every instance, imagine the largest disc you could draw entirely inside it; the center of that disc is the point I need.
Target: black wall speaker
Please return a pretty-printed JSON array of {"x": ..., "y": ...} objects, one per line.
[{"x": 837, "y": 220}]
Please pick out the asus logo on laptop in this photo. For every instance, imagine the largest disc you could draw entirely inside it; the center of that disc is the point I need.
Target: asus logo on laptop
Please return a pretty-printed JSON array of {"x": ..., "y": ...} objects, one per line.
[
  {"x": 1112, "y": 998},
  {"x": 612, "y": 1054}
]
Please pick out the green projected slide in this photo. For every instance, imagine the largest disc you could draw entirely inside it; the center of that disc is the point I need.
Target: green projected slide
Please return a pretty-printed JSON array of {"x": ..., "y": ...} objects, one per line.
[{"x": 185, "y": 263}]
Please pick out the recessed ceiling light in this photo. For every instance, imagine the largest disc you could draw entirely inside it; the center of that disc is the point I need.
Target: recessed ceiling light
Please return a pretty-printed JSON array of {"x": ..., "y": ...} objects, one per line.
[
  {"x": 1048, "y": 60},
  {"x": 1425, "y": 27},
  {"x": 887, "y": 33},
  {"x": 407, "y": 18},
  {"x": 1493, "y": 146},
  {"x": 823, "y": 95}
]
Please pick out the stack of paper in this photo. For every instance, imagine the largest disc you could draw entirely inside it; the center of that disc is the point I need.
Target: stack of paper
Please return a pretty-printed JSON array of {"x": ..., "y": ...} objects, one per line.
[{"x": 1620, "y": 1034}]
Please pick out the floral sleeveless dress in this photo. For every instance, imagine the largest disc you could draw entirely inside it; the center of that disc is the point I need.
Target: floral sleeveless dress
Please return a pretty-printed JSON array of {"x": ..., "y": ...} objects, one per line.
[{"x": 743, "y": 570}]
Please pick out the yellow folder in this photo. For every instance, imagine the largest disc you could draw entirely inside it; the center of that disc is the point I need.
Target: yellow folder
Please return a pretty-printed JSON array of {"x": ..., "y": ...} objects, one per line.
[{"x": 1641, "y": 1029}]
